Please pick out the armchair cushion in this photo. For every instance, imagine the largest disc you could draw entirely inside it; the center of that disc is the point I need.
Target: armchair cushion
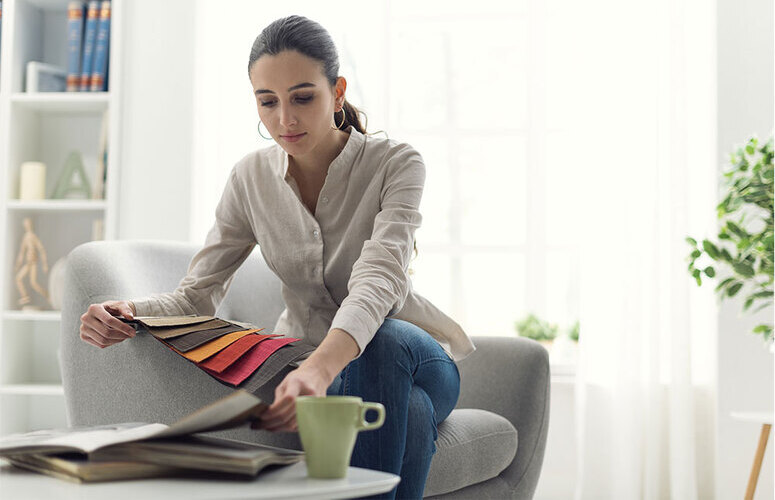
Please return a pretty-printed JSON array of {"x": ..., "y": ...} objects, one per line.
[{"x": 473, "y": 446}]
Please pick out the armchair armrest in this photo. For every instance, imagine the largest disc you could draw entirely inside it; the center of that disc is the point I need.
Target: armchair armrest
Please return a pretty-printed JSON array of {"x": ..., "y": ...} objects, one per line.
[{"x": 510, "y": 376}]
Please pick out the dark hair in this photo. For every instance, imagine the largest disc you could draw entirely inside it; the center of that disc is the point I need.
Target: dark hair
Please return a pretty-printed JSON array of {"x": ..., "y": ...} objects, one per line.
[{"x": 311, "y": 39}]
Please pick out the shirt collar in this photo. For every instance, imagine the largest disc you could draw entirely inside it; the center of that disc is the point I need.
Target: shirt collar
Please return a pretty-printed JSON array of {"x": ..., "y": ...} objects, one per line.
[{"x": 345, "y": 157}]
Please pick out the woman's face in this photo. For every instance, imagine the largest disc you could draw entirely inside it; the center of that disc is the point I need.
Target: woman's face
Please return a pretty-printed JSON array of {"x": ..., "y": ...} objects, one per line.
[{"x": 295, "y": 101}]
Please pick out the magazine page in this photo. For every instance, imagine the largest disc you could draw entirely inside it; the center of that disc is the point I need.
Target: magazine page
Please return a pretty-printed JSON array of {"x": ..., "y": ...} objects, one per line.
[
  {"x": 83, "y": 439},
  {"x": 231, "y": 411},
  {"x": 235, "y": 409}
]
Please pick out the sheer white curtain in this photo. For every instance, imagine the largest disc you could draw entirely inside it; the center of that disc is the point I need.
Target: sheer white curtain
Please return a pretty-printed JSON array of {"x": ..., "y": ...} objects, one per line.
[{"x": 645, "y": 382}]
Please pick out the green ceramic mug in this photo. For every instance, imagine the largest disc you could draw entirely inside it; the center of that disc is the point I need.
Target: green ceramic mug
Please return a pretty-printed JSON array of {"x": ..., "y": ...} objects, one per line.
[{"x": 328, "y": 427}]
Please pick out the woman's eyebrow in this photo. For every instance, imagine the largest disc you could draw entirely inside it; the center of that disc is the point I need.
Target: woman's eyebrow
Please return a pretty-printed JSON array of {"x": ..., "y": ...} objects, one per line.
[{"x": 299, "y": 86}]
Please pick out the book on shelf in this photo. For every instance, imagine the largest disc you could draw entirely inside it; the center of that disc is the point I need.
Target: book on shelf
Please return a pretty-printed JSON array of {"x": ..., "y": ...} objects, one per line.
[
  {"x": 88, "y": 45},
  {"x": 133, "y": 450},
  {"x": 75, "y": 11},
  {"x": 90, "y": 36},
  {"x": 99, "y": 74}
]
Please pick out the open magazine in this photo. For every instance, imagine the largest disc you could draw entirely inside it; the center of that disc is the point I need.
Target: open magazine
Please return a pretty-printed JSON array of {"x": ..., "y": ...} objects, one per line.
[{"x": 168, "y": 446}]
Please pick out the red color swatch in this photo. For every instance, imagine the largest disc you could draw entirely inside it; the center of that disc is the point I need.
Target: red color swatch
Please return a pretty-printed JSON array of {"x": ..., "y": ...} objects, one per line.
[
  {"x": 247, "y": 364},
  {"x": 223, "y": 359}
]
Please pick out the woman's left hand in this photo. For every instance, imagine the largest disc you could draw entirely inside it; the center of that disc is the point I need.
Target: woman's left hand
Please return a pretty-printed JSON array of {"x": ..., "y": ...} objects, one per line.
[{"x": 281, "y": 415}]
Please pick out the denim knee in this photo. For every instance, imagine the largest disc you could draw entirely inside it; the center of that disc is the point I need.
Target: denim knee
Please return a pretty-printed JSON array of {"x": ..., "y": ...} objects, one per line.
[
  {"x": 391, "y": 341},
  {"x": 421, "y": 431}
]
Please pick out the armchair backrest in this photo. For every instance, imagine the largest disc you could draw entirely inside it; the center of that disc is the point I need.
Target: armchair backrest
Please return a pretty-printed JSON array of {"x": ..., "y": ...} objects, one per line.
[{"x": 136, "y": 380}]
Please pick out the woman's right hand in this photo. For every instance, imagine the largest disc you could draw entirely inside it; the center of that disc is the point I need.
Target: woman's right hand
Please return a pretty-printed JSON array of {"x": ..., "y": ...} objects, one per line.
[{"x": 100, "y": 328}]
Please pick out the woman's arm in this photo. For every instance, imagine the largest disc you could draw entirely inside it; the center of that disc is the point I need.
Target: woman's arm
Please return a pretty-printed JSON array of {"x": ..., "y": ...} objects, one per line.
[
  {"x": 379, "y": 282},
  {"x": 332, "y": 355},
  {"x": 311, "y": 378}
]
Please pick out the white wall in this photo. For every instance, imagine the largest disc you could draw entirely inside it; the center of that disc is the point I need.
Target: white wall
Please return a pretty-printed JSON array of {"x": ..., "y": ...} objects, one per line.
[
  {"x": 745, "y": 368},
  {"x": 157, "y": 115},
  {"x": 558, "y": 475}
]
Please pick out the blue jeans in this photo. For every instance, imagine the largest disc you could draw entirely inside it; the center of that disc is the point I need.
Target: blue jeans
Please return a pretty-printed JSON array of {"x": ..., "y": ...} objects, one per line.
[{"x": 407, "y": 371}]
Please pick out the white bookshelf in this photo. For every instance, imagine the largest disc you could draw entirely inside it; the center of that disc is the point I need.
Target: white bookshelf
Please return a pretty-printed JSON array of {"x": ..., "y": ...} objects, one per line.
[{"x": 46, "y": 127}]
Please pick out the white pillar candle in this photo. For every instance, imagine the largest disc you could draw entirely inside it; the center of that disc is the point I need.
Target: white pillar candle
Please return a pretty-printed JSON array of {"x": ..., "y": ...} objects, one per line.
[{"x": 32, "y": 184}]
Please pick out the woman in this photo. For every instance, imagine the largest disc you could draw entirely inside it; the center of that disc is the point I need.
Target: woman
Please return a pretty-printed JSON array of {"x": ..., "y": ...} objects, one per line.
[{"x": 334, "y": 212}]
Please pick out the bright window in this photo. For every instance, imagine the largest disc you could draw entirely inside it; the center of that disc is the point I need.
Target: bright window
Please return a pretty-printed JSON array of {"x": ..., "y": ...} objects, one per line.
[{"x": 484, "y": 91}]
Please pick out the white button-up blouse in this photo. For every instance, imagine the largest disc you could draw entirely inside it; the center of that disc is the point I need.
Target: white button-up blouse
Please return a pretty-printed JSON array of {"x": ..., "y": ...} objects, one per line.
[{"x": 345, "y": 266}]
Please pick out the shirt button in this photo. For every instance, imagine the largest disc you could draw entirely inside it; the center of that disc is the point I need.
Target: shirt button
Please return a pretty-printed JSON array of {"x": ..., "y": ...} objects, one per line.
[
  {"x": 315, "y": 233},
  {"x": 324, "y": 199}
]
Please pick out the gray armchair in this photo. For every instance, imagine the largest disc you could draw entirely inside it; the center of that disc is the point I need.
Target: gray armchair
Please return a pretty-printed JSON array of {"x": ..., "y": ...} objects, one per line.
[{"x": 504, "y": 394}]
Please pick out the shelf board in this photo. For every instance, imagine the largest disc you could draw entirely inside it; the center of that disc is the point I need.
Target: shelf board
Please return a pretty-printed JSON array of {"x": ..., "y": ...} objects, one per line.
[
  {"x": 87, "y": 102},
  {"x": 57, "y": 205},
  {"x": 32, "y": 389},
  {"x": 33, "y": 315},
  {"x": 52, "y": 5}
]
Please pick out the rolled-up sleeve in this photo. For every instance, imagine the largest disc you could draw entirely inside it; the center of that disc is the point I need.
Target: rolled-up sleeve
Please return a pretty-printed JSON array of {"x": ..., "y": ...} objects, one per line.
[
  {"x": 379, "y": 282},
  {"x": 211, "y": 271}
]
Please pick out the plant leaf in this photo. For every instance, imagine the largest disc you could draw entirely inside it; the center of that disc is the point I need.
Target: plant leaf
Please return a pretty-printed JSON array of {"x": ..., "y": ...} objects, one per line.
[
  {"x": 724, "y": 283},
  {"x": 711, "y": 249},
  {"x": 736, "y": 229},
  {"x": 744, "y": 269},
  {"x": 734, "y": 289}
]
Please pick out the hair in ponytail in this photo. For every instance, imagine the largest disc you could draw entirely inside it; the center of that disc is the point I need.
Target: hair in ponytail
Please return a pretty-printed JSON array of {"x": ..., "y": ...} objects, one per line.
[{"x": 311, "y": 39}]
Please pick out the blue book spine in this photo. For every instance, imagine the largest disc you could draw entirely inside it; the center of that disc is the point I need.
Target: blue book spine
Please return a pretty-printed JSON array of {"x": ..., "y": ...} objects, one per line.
[
  {"x": 75, "y": 11},
  {"x": 101, "y": 49},
  {"x": 90, "y": 33}
]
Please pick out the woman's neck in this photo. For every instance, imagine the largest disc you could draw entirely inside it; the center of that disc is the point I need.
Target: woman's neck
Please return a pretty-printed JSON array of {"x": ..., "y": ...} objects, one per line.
[{"x": 315, "y": 164}]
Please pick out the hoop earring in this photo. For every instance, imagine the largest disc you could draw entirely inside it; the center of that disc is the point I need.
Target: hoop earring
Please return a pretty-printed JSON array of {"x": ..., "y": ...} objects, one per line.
[
  {"x": 344, "y": 114},
  {"x": 262, "y": 135}
]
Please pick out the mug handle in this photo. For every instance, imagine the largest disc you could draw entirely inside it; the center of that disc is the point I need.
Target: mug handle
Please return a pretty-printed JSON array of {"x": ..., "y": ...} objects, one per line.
[{"x": 365, "y": 425}]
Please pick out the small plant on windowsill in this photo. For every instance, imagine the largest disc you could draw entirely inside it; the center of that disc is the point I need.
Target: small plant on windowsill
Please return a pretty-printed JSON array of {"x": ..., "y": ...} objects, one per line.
[
  {"x": 535, "y": 328},
  {"x": 573, "y": 333},
  {"x": 562, "y": 346},
  {"x": 749, "y": 186}
]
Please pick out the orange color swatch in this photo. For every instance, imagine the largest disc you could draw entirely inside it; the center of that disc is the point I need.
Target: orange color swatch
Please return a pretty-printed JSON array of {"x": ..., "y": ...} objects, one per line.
[{"x": 204, "y": 351}]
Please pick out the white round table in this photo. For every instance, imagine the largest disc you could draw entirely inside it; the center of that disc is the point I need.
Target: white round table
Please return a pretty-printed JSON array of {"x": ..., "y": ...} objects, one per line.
[{"x": 284, "y": 482}]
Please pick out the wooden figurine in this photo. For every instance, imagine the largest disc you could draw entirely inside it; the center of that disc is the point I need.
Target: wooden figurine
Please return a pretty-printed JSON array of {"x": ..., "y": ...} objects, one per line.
[{"x": 27, "y": 263}]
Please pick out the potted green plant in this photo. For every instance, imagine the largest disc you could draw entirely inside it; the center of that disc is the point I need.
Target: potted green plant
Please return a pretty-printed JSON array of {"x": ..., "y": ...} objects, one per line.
[
  {"x": 562, "y": 346},
  {"x": 745, "y": 239},
  {"x": 573, "y": 332},
  {"x": 537, "y": 329}
]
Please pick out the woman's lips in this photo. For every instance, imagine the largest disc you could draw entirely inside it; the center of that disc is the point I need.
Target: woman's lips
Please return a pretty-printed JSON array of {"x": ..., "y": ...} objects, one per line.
[{"x": 293, "y": 138}]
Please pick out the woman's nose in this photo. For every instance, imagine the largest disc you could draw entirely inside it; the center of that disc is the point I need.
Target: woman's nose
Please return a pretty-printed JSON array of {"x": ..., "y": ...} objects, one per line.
[{"x": 287, "y": 117}]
